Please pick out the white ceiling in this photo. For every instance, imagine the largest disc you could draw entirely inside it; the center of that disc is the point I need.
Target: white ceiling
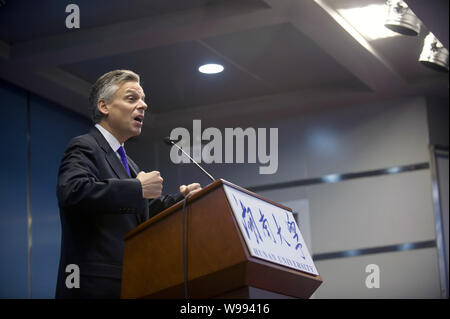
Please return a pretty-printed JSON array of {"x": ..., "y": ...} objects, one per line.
[{"x": 277, "y": 50}]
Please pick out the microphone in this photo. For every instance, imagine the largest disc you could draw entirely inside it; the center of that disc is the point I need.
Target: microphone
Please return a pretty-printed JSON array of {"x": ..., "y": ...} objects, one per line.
[{"x": 171, "y": 142}]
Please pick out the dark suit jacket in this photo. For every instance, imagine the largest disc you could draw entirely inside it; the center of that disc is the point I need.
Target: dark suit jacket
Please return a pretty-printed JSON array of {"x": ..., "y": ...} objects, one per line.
[{"x": 98, "y": 204}]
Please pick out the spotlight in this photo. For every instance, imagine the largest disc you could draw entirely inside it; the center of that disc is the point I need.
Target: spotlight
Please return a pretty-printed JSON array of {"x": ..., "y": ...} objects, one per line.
[
  {"x": 211, "y": 68},
  {"x": 401, "y": 19},
  {"x": 434, "y": 55}
]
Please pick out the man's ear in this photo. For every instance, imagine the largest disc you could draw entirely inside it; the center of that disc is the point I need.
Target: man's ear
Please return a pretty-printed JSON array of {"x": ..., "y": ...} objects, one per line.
[{"x": 102, "y": 107}]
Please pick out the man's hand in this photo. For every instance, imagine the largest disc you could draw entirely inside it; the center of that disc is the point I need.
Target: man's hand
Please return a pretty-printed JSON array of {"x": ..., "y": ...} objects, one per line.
[
  {"x": 151, "y": 184},
  {"x": 191, "y": 189}
]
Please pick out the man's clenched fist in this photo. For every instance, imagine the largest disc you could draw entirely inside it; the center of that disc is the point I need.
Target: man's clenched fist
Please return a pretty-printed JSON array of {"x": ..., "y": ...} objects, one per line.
[{"x": 151, "y": 184}]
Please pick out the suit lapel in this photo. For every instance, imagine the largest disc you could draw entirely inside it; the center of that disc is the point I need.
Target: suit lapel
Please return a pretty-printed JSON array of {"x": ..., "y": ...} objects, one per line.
[
  {"x": 132, "y": 166},
  {"x": 134, "y": 169},
  {"x": 110, "y": 155},
  {"x": 118, "y": 168},
  {"x": 116, "y": 164}
]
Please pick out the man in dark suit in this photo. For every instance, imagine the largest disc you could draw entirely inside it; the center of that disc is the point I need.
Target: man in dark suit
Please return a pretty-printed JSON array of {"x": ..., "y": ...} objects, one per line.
[{"x": 101, "y": 192}]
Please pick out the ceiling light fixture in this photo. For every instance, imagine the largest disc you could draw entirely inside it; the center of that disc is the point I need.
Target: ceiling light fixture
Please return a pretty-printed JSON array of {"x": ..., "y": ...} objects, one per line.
[
  {"x": 401, "y": 19},
  {"x": 211, "y": 68},
  {"x": 368, "y": 21},
  {"x": 362, "y": 16},
  {"x": 434, "y": 55}
]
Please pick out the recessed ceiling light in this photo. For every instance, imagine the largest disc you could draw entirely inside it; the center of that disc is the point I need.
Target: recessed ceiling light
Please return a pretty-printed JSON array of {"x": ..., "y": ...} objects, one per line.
[
  {"x": 211, "y": 68},
  {"x": 368, "y": 21}
]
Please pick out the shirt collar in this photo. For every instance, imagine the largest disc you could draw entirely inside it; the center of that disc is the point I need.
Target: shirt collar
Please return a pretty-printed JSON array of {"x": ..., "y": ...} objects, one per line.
[{"x": 112, "y": 141}]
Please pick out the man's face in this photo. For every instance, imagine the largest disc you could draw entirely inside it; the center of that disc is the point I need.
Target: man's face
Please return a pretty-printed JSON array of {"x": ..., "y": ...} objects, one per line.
[{"x": 126, "y": 111}]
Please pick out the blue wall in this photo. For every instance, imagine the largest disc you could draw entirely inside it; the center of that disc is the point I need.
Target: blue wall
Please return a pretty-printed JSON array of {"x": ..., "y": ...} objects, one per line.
[
  {"x": 13, "y": 193},
  {"x": 51, "y": 127}
]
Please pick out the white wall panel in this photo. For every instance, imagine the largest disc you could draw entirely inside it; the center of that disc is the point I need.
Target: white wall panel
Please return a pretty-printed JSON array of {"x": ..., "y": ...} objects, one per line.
[
  {"x": 371, "y": 212},
  {"x": 405, "y": 274},
  {"x": 367, "y": 137}
]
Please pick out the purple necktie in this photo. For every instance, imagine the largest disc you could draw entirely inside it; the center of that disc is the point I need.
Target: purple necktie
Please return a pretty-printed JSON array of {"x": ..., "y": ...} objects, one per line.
[{"x": 123, "y": 158}]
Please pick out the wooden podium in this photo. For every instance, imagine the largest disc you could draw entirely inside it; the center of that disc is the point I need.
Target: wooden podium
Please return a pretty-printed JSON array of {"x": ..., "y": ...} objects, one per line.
[{"x": 218, "y": 261}]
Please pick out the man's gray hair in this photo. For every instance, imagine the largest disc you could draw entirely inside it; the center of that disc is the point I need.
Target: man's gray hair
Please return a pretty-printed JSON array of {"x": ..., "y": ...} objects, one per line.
[{"x": 106, "y": 86}]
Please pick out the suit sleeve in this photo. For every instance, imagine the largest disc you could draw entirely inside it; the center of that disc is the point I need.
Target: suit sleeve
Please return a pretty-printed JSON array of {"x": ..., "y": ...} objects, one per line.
[
  {"x": 79, "y": 188},
  {"x": 163, "y": 202}
]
